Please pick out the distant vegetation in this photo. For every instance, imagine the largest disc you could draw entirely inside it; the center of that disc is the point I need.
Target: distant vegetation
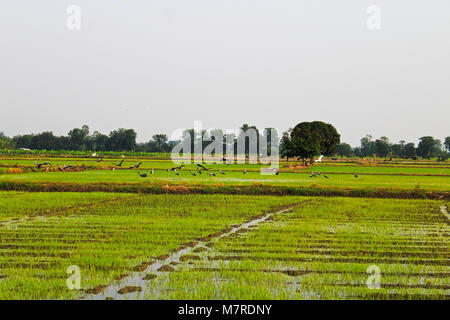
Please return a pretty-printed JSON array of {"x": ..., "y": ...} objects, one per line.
[{"x": 304, "y": 141}]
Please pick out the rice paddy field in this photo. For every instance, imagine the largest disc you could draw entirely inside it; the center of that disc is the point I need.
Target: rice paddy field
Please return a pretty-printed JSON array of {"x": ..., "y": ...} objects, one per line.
[{"x": 381, "y": 235}]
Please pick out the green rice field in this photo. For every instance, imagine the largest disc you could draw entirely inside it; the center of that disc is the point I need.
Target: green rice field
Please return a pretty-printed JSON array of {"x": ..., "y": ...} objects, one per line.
[{"x": 168, "y": 236}]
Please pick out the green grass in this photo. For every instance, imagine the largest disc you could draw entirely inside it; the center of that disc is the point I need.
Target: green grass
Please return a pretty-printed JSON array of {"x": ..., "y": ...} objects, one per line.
[
  {"x": 432, "y": 183},
  {"x": 322, "y": 251},
  {"x": 107, "y": 240}
]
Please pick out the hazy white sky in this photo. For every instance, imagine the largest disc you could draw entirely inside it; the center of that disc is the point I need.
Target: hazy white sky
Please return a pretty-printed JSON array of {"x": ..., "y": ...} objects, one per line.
[{"x": 158, "y": 65}]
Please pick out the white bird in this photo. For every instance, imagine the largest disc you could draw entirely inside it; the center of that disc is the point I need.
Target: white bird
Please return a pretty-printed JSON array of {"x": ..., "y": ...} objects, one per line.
[
  {"x": 319, "y": 160},
  {"x": 151, "y": 172}
]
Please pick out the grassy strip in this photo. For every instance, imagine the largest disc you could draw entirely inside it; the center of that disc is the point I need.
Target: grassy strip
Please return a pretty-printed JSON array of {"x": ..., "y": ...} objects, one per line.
[{"x": 255, "y": 189}]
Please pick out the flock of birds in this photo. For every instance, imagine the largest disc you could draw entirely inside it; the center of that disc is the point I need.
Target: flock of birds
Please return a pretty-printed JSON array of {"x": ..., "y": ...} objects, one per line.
[
  {"x": 48, "y": 165},
  {"x": 199, "y": 170}
]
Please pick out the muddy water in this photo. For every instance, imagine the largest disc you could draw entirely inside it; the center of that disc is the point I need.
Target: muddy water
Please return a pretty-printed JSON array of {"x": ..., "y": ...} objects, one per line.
[{"x": 135, "y": 280}]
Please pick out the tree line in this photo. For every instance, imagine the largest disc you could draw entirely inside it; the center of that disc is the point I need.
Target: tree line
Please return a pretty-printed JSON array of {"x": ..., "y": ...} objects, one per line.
[
  {"x": 428, "y": 147},
  {"x": 305, "y": 141}
]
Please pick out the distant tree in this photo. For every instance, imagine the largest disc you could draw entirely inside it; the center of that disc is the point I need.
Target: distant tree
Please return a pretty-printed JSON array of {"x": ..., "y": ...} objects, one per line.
[
  {"x": 78, "y": 138},
  {"x": 160, "y": 141},
  {"x": 267, "y": 140},
  {"x": 122, "y": 140},
  {"x": 367, "y": 146},
  {"x": 99, "y": 141},
  {"x": 398, "y": 149},
  {"x": 245, "y": 134},
  {"x": 5, "y": 142},
  {"x": 447, "y": 143},
  {"x": 382, "y": 147},
  {"x": 427, "y": 147},
  {"x": 286, "y": 147},
  {"x": 310, "y": 139},
  {"x": 23, "y": 141},
  {"x": 344, "y": 149},
  {"x": 410, "y": 150}
]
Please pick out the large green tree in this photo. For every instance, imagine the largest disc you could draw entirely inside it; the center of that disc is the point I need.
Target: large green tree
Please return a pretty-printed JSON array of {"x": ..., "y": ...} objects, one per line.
[
  {"x": 310, "y": 139},
  {"x": 286, "y": 147},
  {"x": 427, "y": 147},
  {"x": 447, "y": 143},
  {"x": 122, "y": 140}
]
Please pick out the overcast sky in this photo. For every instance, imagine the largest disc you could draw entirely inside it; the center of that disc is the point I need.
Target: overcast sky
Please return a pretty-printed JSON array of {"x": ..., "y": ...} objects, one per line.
[{"x": 159, "y": 65}]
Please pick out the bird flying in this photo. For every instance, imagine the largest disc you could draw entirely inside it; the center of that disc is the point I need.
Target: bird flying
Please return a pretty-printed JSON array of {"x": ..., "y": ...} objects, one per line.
[
  {"x": 204, "y": 168},
  {"x": 39, "y": 165},
  {"x": 320, "y": 159},
  {"x": 119, "y": 164},
  {"x": 136, "y": 165}
]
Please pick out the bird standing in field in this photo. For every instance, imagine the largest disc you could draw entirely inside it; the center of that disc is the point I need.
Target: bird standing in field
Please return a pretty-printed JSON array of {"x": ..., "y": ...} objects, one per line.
[
  {"x": 276, "y": 171},
  {"x": 193, "y": 173},
  {"x": 99, "y": 160},
  {"x": 67, "y": 167},
  {"x": 177, "y": 168},
  {"x": 313, "y": 175},
  {"x": 59, "y": 168},
  {"x": 245, "y": 171},
  {"x": 143, "y": 174},
  {"x": 355, "y": 174},
  {"x": 221, "y": 172},
  {"x": 199, "y": 171},
  {"x": 212, "y": 174},
  {"x": 176, "y": 172},
  {"x": 151, "y": 172},
  {"x": 39, "y": 165}
]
